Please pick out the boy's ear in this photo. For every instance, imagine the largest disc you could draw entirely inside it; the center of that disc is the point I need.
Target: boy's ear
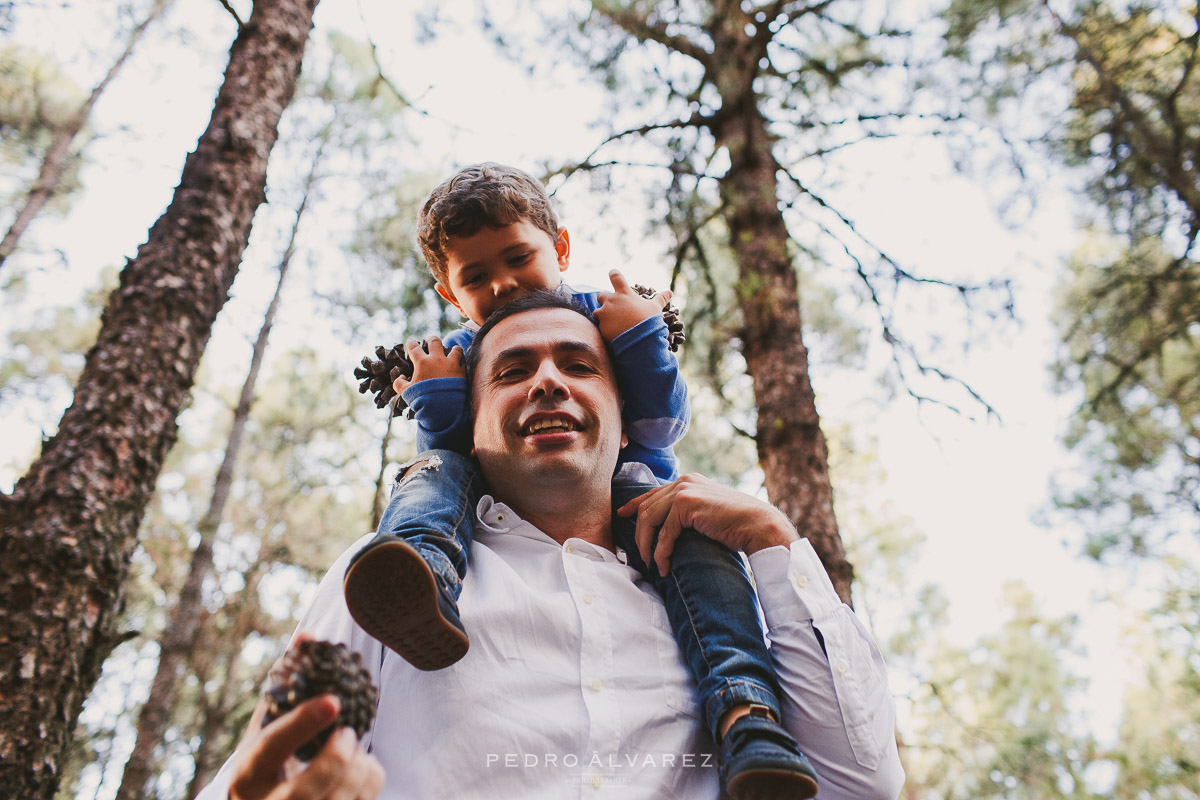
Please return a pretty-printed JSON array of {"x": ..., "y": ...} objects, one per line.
[
  {"x": 448, "y": 296},
  {"x": 562, "y": 247}
]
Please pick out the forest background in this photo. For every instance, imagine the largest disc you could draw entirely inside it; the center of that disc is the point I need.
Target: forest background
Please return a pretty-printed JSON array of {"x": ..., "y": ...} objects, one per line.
[{"x": 991, "y": 213}]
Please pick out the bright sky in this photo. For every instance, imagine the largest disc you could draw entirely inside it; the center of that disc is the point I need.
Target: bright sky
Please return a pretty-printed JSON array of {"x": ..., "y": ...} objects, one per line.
[{"x": 971, "y": 487}]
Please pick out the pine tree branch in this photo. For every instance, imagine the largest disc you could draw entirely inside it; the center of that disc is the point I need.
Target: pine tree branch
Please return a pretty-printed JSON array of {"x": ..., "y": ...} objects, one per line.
[
  {"x": 232, "y": 12},
  {"x": 640, "y": 27}
]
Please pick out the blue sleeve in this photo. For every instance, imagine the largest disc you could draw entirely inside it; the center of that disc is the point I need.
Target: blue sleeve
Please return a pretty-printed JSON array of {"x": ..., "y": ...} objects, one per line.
[
  {"x": 440, "y": 406},
  {"x": 656, "y": 402}
]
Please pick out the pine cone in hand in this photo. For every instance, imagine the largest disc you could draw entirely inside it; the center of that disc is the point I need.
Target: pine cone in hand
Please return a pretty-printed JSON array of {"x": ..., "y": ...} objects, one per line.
[
  {"x": 310, "y": 669},
  {"x": 377, "y": 375},
  {"x": 675, "y": 335}
]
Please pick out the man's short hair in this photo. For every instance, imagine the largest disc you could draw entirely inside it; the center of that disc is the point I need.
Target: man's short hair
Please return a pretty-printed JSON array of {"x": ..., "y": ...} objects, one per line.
[{"x": 477, "y": 195}]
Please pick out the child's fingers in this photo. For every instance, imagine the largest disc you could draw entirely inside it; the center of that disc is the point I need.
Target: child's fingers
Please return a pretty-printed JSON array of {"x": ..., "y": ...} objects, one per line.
[
  {"x": 664, "y": 297},
  {"x": 436, "y": 348},
  {"x": 619, "y": 283}
]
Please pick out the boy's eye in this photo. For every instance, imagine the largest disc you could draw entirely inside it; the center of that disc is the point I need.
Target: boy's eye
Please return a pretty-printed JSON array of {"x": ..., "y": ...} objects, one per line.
[
  {"x": 519, "y": 258},
  {"x": 473, "y": 280}
]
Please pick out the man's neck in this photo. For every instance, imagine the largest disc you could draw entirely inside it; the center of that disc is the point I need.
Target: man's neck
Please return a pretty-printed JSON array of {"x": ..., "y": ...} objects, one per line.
[{"x": 570, "y": 514}]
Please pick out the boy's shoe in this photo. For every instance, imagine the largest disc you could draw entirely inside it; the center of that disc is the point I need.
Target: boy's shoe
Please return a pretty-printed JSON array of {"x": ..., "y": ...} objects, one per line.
[
  {"x": 761, "y": 761},
  {"x": 394, "y": 596}
]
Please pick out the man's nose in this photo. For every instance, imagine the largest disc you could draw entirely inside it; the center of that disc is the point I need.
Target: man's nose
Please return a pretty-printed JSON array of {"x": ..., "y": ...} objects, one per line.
[{"x": 548, "y": 382}]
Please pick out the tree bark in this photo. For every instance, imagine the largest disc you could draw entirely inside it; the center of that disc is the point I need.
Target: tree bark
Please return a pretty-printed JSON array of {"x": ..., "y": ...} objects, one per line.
[
  {"x": 180, "y": 631},
  {"x": 791, "y": 446},
  {"x": 215, "y": 717},
  {"x": 68, "y": 530},
  {"x": 54, "y": 161},
  {"x": 792, "y": 450}
]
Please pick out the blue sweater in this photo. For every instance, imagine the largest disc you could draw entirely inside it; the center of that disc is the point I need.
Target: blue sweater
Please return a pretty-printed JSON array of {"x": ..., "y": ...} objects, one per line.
[{"x": 656, "y": 407}]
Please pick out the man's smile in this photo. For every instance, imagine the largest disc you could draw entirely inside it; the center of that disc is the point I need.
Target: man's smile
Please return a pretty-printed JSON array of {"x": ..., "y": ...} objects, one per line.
[{"x": 548, "y": 423}]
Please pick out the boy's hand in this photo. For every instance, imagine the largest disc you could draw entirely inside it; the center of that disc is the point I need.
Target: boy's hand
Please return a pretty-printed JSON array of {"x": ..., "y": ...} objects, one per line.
[
  {"x": 437, "y": 363},
  {"x": 623, "y": 307}
]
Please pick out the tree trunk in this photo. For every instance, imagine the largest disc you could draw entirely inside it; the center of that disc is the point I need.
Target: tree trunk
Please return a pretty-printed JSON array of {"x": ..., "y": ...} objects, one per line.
[
  {"x": 54, "y": 162},
  {"x": 180, "y": 631},
  {"x": 216, "y": 714},
  {"x": 70, "y": 526},
  {"x": 382, "y": 486},
  {"x": 791, "y": 446}
]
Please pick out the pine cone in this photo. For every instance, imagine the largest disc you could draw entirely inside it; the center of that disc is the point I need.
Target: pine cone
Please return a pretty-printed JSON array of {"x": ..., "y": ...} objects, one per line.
[
  {"x": 675, "y": 335},
  {"x": 311, "y": 669},
  {"x": 377, "y": 376}
]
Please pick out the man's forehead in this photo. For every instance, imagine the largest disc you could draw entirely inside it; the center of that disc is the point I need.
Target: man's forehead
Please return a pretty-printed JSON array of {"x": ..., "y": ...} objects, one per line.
[{"x": 544, "y": 328}]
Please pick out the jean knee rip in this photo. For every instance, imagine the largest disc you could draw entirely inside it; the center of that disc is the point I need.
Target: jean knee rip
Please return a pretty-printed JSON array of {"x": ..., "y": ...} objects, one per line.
[{"x": 431, "y": 463}]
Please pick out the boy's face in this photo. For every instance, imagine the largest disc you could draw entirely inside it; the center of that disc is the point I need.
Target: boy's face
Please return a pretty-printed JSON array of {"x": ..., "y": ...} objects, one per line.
[{"x": 496, "y": 265}]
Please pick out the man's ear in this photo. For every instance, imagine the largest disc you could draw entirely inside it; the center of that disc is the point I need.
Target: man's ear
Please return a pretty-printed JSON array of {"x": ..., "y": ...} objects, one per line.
[
  {"x": 448, "y": 296},
  {"x": 624, "y": 438},
  {"x": 562, "y": 247}
]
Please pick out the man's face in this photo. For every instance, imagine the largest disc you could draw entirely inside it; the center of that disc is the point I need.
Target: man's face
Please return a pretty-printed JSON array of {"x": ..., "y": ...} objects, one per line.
[
  {"x": 495, "y": 265},
  {"x": 546, "y": 407}
]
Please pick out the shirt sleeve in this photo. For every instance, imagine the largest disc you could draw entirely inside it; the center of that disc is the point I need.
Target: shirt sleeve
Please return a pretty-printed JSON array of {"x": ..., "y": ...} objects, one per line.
[
  {"x": 440, "y": 406},
  {"x": 835, "y": 698},
  {"x": 656, "y": 399},
  {"x": 327, "y": 618}
]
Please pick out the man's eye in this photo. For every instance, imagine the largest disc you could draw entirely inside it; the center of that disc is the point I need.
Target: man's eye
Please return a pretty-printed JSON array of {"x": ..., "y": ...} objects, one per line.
[
  {"x": 581, "y": 367},
  {"x": 510, "y": 373}
]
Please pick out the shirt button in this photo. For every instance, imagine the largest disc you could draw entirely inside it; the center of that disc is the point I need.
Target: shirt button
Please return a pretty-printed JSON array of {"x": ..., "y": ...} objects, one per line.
[
  {"x": 597, "y": 684},
  {"x": 842, "y": 666},
  {"x": 587, "y": 598},
  {"x": 802, "y": 581},
  {"x": 596, "y": 781},
  {"x": 500, "y": 517},
  {"x": 570, "y": 549}
]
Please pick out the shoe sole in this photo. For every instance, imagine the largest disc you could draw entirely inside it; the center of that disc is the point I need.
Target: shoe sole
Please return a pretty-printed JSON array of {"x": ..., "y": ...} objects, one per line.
[
  {"x": 392, "y": 595},
  {"x": 771, "y": 784}
]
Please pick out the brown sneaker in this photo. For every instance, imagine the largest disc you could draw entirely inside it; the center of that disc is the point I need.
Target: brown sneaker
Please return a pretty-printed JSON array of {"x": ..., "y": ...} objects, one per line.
[{"x": 394, "y": 596}]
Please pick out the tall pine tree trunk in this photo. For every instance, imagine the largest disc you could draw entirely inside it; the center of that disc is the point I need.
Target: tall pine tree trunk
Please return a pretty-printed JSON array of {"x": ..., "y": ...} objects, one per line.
[
  {"x": 70, "y": 526},
  {"x": 180, "y": 630},
  {"x": 56, "y": 158},
  {"x": 215, "y": 727},
  {"x": 792, "y": 450},
  {"x": 732, "y": 50}
]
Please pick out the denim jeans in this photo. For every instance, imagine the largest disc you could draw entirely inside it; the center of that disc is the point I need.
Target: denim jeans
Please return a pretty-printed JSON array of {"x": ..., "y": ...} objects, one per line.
[
  {"x": 712, "y": 607},
  {"x": 433, "y": 509}
]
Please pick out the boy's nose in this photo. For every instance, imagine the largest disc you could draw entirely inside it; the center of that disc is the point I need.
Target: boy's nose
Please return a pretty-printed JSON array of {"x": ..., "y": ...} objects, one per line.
[{"x": 503, "y": 285}]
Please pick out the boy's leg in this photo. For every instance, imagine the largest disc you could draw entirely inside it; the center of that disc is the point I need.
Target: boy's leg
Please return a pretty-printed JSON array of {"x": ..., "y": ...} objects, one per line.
[
  {"x": 402, "y": 587},
  {"x": 712, "y": 607}
]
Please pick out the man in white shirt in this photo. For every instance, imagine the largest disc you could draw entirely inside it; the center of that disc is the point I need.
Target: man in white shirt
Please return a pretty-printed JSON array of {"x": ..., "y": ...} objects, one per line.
[{"x": 574, "y": 685}]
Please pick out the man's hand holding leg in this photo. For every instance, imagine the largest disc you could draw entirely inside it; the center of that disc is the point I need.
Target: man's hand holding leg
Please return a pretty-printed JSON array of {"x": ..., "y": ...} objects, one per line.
[{"x": 733, "y": 518}]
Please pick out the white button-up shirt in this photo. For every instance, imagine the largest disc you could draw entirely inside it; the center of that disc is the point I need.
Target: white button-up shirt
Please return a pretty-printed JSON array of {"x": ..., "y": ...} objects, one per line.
[{"x": 574, "y": 687}]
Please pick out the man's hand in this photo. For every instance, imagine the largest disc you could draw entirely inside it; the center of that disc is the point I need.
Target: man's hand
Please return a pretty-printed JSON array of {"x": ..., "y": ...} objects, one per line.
[
  {"x": 267, "y": 769},
  {"x": 623, "y": 307},
  {"x": 733, "y": 518},
  {"x": 437, "y": 363}
]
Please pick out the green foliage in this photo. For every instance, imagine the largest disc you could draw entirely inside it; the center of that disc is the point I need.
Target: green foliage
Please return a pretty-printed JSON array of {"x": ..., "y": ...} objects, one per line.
[
  {"x": 1130, "y": 317},
  {"x": 1128, "y": 308}
]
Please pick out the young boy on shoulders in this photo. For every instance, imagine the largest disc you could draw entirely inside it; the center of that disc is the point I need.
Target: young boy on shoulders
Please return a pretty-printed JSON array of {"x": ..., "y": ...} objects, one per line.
[{"x": 490, "y": 236}]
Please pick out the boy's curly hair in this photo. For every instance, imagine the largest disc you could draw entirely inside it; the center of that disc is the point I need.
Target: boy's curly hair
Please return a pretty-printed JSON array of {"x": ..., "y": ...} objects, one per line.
[{"x": 477, "y": 195}]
